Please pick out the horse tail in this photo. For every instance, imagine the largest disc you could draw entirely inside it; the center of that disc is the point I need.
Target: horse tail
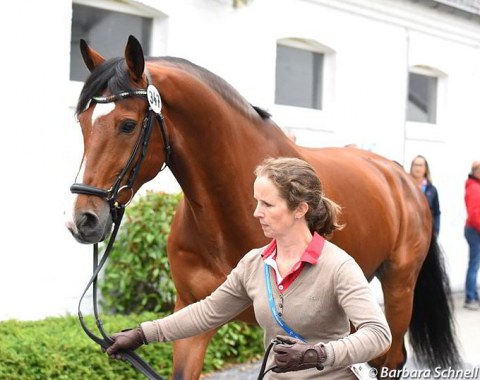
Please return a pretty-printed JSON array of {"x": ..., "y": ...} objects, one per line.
[{"x": 432, "y": 329}]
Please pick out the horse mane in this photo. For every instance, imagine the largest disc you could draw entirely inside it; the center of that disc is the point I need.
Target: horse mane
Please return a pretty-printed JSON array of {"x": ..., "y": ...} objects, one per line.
[
  {"x": 112, "y": 75},
  {"x": 221, "y": 86}
]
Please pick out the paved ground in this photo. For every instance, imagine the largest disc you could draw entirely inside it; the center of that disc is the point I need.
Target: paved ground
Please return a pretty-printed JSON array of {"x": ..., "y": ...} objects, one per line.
[{"x": 468, "y": 330}]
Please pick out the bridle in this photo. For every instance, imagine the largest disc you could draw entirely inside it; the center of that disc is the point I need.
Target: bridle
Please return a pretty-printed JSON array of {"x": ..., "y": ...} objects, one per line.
[
  {"x": 111, "y": 195},
  {"x": 124, "y": 182}
]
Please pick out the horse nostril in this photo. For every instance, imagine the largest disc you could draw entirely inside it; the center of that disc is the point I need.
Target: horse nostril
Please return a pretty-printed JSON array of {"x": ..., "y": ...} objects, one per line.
[{"x": 87, "y": 221}]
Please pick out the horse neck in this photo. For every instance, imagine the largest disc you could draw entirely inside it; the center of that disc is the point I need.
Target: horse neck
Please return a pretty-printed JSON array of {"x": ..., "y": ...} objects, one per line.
[
  {"x": 214, "y": 159},
  {"x": 216, "y": 145}
]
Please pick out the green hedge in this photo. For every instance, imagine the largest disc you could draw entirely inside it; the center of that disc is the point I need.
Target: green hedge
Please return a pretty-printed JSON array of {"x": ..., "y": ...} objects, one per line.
[
  {"x": 57, "y": 348},
  {"x": 137, "y": 273}
]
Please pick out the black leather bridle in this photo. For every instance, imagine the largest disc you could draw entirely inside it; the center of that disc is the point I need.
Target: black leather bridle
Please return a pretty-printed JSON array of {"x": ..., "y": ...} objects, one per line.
[{"x": 124, "y": 182}]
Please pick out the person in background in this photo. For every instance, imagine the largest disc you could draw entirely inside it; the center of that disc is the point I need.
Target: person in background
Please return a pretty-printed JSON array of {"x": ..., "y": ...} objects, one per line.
[
  {"x": 299, "y": 284},
  {"x": 420, "y": 172},
  {"x": 472, "y": 234}
]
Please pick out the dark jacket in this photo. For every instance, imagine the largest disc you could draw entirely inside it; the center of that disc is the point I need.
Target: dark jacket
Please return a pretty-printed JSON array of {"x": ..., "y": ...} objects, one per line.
[{"x": 432, "y": 197}]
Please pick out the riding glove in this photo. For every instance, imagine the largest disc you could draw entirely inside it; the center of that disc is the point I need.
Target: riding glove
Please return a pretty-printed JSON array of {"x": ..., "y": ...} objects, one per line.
[
  {"x": 294, "y": 355},
  {"x": 129, "y": 339}
]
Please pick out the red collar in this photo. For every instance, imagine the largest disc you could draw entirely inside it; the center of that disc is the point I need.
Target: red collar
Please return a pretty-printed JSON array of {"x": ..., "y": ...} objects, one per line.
[{"x": 310, "y": 255}]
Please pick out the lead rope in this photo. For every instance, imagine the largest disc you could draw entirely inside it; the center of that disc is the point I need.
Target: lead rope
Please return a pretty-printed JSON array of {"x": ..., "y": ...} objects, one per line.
[
  {"x": 133, "y": 358},
  {"x": 117, "y": 211},
  {"x": 262, "y": 373}
]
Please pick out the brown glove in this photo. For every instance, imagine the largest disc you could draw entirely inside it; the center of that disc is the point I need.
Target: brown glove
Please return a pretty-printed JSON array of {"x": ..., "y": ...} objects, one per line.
[
  {"x": 294, "y": 355},
  {"x": 129, "y": 339}
]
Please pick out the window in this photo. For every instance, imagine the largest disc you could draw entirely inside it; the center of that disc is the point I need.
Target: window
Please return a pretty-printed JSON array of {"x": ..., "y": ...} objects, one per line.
[
  {"x": 299, "y": 77},
  {"x": 106, "y": 31},
  {"x": 422, "y": 98}
]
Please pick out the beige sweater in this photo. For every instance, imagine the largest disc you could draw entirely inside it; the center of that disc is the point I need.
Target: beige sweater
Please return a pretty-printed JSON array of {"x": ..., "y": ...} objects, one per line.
[{"x": 318, "y": 306}]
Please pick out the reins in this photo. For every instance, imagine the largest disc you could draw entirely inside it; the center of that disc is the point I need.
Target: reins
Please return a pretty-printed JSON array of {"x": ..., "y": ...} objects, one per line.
[
  {"x": 117, "y": 211},
  {"x": 263, "y": 372}
]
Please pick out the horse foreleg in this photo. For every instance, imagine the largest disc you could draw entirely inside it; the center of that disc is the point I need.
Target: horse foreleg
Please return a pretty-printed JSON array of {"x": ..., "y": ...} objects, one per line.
[
  {"x": 188, "y": 356},
  {"x": 398, "y": 284}
]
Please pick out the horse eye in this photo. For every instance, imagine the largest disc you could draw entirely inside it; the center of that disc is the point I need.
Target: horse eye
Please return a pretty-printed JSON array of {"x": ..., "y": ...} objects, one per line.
[{"x": 128, "y": 126}]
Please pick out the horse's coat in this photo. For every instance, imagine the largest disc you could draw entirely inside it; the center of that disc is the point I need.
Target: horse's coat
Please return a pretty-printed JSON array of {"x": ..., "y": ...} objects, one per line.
[{"x": 217, "y": 140}]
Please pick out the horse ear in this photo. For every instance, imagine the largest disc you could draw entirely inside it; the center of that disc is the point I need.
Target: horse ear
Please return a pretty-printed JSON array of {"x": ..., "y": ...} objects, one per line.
[
  {"x": 134, "y": 58},
  {"x": 91, "y": 58}
]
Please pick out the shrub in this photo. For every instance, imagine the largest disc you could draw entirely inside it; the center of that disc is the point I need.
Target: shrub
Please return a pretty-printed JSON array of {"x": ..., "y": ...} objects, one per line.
[
  {"x": 137, "y": 273},
  {"x": 57, "y": 348}
]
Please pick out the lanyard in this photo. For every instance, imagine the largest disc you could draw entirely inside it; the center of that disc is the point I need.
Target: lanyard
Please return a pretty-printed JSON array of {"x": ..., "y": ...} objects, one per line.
[{"x": 273, "y": 309}]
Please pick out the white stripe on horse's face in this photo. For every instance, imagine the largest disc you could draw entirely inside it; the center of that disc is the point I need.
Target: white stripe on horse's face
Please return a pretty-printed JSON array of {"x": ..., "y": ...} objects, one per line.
[{"x": 102, "y": 109}]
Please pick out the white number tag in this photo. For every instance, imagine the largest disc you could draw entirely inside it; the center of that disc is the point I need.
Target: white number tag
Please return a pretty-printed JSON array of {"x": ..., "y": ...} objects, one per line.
[{"x": 154, "y": 99}]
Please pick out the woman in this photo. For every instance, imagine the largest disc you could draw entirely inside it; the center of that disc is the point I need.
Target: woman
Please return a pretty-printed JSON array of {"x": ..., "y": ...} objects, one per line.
[
  {"x": 420, "y": 172},
  {"x": 472, "y": 234},
  {"x": 316, "y": 288}
]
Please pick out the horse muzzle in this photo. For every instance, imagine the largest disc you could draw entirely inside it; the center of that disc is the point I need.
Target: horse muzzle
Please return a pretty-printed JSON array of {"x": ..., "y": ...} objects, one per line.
[{"x": 88, "y": 227}]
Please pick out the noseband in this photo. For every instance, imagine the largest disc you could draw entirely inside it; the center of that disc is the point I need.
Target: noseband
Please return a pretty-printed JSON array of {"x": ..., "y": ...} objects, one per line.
[{"x": 117, "y": 209}]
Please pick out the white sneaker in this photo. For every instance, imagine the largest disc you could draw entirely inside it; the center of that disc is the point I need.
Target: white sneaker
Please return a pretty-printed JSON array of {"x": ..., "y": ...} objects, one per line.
[{"x": 472, "y": 305}]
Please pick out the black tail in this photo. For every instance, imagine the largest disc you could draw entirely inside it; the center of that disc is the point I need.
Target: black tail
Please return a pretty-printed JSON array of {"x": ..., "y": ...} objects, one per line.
[{"x": 432, "y": 329}]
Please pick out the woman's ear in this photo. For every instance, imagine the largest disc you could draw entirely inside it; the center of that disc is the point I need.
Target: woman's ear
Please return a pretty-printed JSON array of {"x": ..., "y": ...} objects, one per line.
[{"x": 301, "y": 210}]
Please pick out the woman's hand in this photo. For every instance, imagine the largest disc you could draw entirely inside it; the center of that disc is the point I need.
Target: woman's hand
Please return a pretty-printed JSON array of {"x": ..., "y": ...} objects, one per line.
[
  {"x": 126, "y": 340},
  {"x": 294, "y": 355}
]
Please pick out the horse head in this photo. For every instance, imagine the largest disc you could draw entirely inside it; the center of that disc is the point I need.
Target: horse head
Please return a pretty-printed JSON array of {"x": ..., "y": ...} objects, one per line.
[{"x": 116, "y": 112}]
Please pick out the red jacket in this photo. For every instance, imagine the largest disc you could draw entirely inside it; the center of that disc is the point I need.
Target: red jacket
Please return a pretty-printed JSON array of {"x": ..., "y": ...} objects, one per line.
[{"x": 472, "y": 202}]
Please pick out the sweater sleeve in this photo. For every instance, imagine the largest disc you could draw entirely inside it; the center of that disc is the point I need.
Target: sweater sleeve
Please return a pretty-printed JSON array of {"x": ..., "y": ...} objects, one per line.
[
  {"x": 372, "y": 336},
  {"x": 221, "y": 306}
]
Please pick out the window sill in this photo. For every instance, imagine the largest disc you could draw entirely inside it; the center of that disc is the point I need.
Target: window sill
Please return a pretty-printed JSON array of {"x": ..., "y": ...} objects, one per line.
[
  {"x": 424, "y": 131},
  {"x": 299, "y": 117}
]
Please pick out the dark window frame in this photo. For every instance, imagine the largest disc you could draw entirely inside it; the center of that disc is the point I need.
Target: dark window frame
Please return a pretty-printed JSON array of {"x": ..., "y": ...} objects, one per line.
[
  {"x": 289, "y": 89},
  {"x": 422, "y": 98},
  {"x": 110, "y": 37}
]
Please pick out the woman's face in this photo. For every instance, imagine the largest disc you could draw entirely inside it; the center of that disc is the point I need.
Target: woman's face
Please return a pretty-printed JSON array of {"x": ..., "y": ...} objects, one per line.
[
  {"x": 418, "y": 168},
  {"x": 272, "y": 211}
]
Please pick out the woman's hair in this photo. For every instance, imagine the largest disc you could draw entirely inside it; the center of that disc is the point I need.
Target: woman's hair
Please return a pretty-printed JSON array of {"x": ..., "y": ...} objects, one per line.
[
  {"x": 428, "y": 176},
  {"x": 297, "y": 182},
  {"x": 475, "y": 166}
]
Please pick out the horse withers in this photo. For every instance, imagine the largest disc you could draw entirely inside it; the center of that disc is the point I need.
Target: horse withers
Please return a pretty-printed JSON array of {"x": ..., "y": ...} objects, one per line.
[{"x": 216, "y": 139}]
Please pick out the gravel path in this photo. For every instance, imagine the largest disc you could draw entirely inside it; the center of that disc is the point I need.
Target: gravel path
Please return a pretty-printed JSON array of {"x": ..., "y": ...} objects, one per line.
[{"x": 247, "y": 371}]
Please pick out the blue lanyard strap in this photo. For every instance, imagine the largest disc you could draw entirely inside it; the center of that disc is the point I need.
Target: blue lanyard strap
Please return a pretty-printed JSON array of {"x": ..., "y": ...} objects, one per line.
[{"x": 273, "y": 309}]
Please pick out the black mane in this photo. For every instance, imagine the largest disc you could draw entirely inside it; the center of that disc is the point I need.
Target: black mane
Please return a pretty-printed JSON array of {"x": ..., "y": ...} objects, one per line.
[{"x": 112, "y": 75}]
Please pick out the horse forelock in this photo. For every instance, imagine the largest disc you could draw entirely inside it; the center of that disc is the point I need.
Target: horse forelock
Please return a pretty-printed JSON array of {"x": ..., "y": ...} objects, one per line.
[{"x": 112, "y": 76}]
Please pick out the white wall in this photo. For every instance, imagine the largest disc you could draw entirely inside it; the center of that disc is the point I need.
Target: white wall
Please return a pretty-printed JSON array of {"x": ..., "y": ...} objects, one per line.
[{"x": 43, "y": 270}]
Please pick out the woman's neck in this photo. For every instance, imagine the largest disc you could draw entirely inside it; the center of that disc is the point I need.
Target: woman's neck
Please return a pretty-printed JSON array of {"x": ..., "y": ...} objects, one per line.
[
  {"x": 291, "y": 246},
  {"x": 420, "y": 181}
]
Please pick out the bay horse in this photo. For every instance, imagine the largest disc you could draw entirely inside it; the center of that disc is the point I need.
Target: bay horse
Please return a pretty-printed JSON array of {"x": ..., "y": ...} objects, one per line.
[{"x": 215, "y": 140}]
